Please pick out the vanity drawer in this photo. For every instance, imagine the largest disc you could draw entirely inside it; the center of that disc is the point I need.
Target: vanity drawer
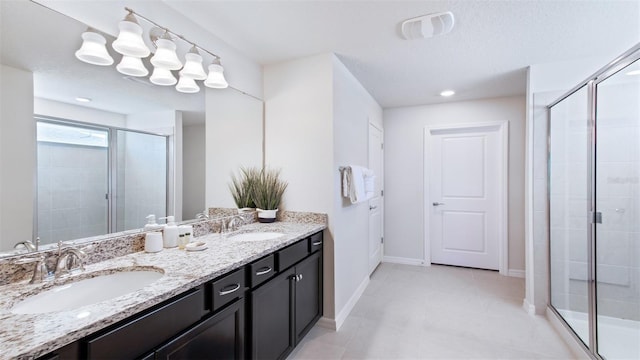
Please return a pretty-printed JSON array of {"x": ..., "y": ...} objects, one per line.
[
  {"x": 136, "y": 337},
  {"x": 292, "y": 254},
  {"x": 227, "y": 288},
  {"x": 262, "y": 270},
  {"x": 315, "y": 242}
]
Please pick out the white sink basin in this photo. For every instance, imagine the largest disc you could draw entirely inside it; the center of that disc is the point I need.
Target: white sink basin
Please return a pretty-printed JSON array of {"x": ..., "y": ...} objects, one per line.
[
  {"x": 86, "y": 292},
  {"x": 256, "y": 236}
]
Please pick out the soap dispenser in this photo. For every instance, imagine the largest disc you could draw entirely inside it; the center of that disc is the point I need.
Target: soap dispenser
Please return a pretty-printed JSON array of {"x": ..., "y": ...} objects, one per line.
[
  {"x": 151, "y": 224},
  {"x": 170, "y": 233}
]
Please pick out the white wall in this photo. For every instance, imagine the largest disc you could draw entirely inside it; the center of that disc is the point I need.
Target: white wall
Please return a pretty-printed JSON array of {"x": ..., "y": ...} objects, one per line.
[
  {"x": 17, "y": 156},
  {"x": 299, "y": 140},
  {"x": 193, "y": 165},
  {"x": 317, "y": 117},
  {"x": 404, "y": 163},
  {"x": 234, "y": 139},
  {"x": 353, "y": 109}
]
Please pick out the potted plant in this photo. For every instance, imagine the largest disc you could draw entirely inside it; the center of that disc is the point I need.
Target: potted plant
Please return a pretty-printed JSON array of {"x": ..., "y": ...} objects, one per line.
[
  {"x": 242, "y": 189},
  {"x": 267, "y": 194}
]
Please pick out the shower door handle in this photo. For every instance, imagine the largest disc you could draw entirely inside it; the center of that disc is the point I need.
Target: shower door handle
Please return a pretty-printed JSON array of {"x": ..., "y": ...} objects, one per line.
[{"x": 437, "y": 203}]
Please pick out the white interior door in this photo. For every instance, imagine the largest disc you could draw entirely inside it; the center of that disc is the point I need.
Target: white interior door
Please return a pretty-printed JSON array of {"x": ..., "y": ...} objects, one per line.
[
  {"x": 375, "y": 203},
  {"x": 465, "y": 180}
]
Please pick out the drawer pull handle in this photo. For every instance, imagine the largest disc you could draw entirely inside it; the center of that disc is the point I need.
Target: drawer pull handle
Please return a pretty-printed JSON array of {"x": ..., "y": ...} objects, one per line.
[
  {"x": 317, "y": 243},
  {"x": 227, "y": 292},
  {"x": 264, "y": 270}
]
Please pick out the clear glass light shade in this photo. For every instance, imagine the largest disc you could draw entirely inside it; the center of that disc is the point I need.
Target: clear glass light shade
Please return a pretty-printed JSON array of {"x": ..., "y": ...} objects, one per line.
[
  {"x": 94, "y": 50},
  {"x": 166, "y": 56},
  {"x": 129, "y": 41},
  {"x": 216, "y": 78},
  {"x": 187, "y": 85},
  {"x": 193, "y": 67},
  {"x": 162, "y": 77},
  {"x": 132, "y": 66}
]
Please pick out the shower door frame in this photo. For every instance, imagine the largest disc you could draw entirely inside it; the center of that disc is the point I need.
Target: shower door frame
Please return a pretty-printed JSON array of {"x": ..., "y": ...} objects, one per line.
[
  {"x": 613, "y": 67},
  {"x": 112, "y": 161}
]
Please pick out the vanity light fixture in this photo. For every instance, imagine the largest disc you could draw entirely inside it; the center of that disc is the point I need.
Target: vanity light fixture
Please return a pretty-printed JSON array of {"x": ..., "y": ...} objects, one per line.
[
  {"x": 129, "y": 41},
  {"x": 193, "y": 65},
  {"x": 163, "y": 77},
  {"x": 133, "y": 49},
  {"x": 93, "y": 49},
  {"x": 216, "y": 78},
  {"x": 187, "y": 85},
  {"x": 132, "y": 66},
  {"x": 447, "y": 93},
  {"x": 165, "y": 56}
]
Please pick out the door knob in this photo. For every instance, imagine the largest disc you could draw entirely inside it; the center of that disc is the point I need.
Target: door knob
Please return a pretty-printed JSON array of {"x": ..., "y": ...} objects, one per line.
[
  {"x": 372, "y": 207},
  {"x": 437, "y": 203}
]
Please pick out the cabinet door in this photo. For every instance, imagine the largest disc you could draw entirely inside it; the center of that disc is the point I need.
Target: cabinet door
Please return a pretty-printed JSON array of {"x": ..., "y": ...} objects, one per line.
[
  {"x": 308, "y": 294},
  {"x": 272, "y": 317},
  {"x": 219, "y": 337}
]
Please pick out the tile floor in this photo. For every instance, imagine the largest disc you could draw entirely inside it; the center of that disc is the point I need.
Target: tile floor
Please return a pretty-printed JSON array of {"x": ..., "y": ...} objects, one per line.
[{"x": 437, "y": 312}]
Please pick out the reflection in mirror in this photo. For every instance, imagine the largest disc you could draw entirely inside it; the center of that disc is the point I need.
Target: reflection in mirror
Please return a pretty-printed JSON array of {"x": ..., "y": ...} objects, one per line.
[{"x": 84, "y": 150}]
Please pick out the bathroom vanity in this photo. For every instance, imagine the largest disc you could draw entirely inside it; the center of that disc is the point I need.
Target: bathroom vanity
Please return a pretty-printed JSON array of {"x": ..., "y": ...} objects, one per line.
[{"x": 234, "y": 300}]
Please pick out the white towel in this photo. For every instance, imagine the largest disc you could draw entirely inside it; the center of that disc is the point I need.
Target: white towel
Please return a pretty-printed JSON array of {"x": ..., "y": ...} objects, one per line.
[{"x": 357, "y": 183}]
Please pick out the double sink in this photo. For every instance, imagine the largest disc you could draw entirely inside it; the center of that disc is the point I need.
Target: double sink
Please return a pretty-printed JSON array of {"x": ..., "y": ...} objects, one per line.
[{"x": 91, "y": 288}]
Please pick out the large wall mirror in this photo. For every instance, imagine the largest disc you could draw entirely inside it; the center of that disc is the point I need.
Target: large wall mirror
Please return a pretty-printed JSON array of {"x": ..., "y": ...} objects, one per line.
[{"x": 87, "y": 151}]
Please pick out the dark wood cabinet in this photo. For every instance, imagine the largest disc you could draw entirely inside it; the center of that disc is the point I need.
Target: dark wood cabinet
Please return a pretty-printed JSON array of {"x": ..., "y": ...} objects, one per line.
[
  {"x": 221, "y": 336},
  {"x": 308, "y": 294},
  {"x": 271, "y": 318},
  {"x": 286, "y": 307}
]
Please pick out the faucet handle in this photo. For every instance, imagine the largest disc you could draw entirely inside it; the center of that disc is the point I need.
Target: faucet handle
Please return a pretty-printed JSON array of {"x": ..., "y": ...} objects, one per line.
[{"x": 40, "y": 271}]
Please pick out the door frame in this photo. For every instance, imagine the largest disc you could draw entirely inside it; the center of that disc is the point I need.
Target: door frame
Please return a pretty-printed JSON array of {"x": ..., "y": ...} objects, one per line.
[
  {"x": 381, "y": 177},
  {"x": 502, "y": 128}
]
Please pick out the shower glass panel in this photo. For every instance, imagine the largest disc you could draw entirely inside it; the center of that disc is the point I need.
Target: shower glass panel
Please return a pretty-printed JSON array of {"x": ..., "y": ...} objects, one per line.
[
  {"x": 568, "y": 211},
  {"x": 73, "y": 171},
  {"x": 141, "y": 182},
  {"x": 618, "y": 200}
]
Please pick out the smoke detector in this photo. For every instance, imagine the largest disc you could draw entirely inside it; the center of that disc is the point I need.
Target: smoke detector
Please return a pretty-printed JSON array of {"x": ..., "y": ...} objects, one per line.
[{"x": 426, "y": 26}]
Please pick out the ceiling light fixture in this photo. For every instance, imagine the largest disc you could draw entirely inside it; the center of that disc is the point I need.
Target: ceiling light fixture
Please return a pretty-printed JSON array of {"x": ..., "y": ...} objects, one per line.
[
  {"x": 83, "y": 99},
  {"x": 133, "y": 48},
  {"x": 93, "y": 50},
  {"x": 447, "y": 93}
]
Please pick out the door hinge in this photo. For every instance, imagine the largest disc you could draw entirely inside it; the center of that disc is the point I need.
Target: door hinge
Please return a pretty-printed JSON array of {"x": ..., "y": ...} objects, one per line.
[
  {"x": 106, "y": 196},
  {"x": 596, "y": 217},
  {"x": 381, "y": 192},
  {"x": 382, "y": 240},
  {"x": 382, "y": 146}
]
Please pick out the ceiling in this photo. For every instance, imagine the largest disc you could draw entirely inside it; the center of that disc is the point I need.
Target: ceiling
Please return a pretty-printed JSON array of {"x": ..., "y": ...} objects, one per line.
[{"x": 485, "y": 55}]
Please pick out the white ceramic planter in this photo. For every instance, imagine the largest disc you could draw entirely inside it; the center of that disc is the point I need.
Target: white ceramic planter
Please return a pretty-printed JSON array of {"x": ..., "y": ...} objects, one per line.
[{"x": 267, "y": 216}]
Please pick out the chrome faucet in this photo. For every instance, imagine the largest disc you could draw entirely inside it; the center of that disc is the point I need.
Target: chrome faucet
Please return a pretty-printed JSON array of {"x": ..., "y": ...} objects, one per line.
[
  {"x": 30, "y": 246},
  {"x": 203, "y": 215},
  {"x": 40, "y": 271},
  {"x": 234, "y": 222},
  {"x": 70, "y": 259}
]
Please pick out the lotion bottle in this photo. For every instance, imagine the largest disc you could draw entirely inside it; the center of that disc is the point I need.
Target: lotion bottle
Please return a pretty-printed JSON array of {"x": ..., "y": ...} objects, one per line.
[
  {"x": 170, "y": 233},
  {"x": 151, "y": 224}
]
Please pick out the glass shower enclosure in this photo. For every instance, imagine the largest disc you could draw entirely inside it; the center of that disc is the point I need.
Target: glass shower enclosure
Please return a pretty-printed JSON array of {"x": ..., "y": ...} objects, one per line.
[{"x": 594, "y": 209}]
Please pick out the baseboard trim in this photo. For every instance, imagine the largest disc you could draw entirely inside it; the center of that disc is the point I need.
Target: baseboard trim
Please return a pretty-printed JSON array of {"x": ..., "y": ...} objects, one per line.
[
  {"x": 346, "y": 310},
  {"x": 404, "y": 261},
  {"x": 516, "y": 273},
  {"x": 327, "y": 323}
]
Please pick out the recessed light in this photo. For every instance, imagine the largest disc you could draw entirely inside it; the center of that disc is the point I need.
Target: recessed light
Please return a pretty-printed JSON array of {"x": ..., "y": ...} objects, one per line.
[
  {"x": 447, "y": 93},
  {"x": 83, "y": 99},
  {"x": 634, "y": 72}
]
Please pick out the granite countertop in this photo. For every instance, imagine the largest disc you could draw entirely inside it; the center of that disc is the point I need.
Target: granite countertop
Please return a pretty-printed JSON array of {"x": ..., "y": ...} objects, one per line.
[{"x": 33, "y": 335}]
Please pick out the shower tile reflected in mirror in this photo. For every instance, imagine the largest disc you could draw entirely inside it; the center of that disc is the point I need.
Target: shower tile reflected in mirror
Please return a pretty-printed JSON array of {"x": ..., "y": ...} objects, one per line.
[
  {"x": 618, "y": 199},
  {"x": 568, "y": 196}
]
